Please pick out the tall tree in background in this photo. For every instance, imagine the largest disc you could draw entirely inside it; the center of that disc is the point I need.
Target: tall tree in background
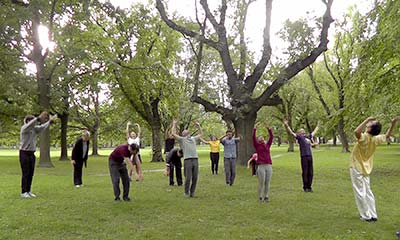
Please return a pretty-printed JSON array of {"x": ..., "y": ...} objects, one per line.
[
  {"x": 142, "y": 51},
  {"x": 243, "y": 77},
  {"x": 378, "y": 70},
  {"x": 28, "y": 19}
]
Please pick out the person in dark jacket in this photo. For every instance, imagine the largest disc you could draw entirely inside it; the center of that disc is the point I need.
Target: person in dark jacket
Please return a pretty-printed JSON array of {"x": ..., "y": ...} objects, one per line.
[
  {"x": 174, "y": 161},
  {"x": 79, "y": 157}
]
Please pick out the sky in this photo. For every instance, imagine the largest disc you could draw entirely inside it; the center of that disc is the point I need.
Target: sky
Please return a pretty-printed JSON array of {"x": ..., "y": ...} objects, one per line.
[{"x": 281, "y": 10}]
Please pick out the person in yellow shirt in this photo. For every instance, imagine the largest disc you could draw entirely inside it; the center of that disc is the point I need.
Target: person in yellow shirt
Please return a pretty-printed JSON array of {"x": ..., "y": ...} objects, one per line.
[
  {"x": 214, "y": 152},
  {"x": 361, "y": 164}
]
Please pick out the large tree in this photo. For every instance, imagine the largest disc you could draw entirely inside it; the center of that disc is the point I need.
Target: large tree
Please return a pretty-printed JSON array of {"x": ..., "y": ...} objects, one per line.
[
  {"x": 242, "y": 78},
  {"x": 142, "y": 50}
]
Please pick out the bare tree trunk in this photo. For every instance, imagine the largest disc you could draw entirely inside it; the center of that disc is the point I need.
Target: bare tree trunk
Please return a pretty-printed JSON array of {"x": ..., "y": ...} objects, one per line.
[
  {"x": 343, "y": 136},
  {"x": 334, "y": 139},
  {"x": 291, "y": 144},
  {"x": 244, "y": 128},
  {"x": 95, "y": 145},
  {"x": 156, "y": 137},
  {"x": 64, "y": 128},
  {"x": 43, "y": 89}
]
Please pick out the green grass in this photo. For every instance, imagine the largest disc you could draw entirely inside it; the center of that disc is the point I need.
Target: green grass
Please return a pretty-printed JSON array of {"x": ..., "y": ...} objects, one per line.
[{"x": 159, "y": 211}]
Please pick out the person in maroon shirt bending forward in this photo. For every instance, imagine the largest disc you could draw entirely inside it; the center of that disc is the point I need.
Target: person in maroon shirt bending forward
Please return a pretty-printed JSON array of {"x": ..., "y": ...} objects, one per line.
[
  {"x": 264, "y": 162},
  {"x": 117, "y": 165}
]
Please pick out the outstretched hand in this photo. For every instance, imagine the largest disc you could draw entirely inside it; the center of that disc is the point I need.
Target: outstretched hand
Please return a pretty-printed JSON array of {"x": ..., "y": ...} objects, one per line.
[
  {"x": 395, "y": 119},
  {"x": 53, "y": 118},
  {"x": 285, "y": 121}
]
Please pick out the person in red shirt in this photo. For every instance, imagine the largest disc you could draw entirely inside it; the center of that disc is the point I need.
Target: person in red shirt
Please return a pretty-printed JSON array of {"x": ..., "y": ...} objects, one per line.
[
  {"x": 252, "y": 162},
  {"x": 264, "y": 162},
  {"x": 117, "y": 165}
]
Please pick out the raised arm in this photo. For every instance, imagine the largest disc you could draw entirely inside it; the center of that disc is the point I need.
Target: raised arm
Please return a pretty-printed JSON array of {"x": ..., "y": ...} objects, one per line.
[
  {"x": 204, "y": 141},
  {"x": 392, "y": 126},
  {"x": 254, "y": 137},
  {"x": 271, "y": 135},
  {"x": 288, "y": 129},
  {"x": 139, "y": 132},
  {"x": 361, "y": 127},
  {"x": 39, "y": 128},
  {"x": 315, "y": 130},
  {"x": 173, "y": 130},
  {"x": 127, "y": 130},
  {"x": 200, "y": 130}
]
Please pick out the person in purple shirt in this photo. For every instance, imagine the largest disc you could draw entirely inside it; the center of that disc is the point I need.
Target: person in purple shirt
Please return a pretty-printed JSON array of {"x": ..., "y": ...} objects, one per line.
[
  {"x": 264, "y": 162},
  {"x": 117, "y": 164},
  {"x": 305, "y": 143}
]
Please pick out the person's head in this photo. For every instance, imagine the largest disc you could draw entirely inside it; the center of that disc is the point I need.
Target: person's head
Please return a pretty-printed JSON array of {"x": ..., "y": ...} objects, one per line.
[
  {"x": 229, "y": 134},
  {"x": 133, "y": 135},
  {"x": 185, "y": 133},
  {"x": 44, "y": 117},
  {"x": 85, "y": 135},
  {"x": 28, "y": 118},
  {"x": 261, "y": 139},
  {"x": 133, "y": 148},
  {"x": 180, "y": 153},
  {"x": 213, "y": 138},
  {"x": 374, "y": 128},
  {"x": 301, "y": 131}
]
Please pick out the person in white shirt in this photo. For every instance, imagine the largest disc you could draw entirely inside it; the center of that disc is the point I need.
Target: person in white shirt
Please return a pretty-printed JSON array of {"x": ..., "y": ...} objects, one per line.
[{"x": 133, "y": 138}]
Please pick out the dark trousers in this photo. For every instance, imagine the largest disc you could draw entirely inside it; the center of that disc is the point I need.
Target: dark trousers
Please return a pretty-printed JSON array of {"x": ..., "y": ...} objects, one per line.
[
  {"x": 191, "y": 169},
  {"x": 178, "y": 170},
  {"x": 27, "y": 161},
  {"x": 214, "y": 162},
  {"x": 307, "y": 171},
  {"x": 230, "y": 170},
  {"x": 78, "y": 172},
  {"x": 118, "y": 170}
]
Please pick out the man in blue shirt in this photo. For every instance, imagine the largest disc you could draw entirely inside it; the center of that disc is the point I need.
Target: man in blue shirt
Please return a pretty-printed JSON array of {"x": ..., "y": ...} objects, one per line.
[{"x": 229, "y": 143}]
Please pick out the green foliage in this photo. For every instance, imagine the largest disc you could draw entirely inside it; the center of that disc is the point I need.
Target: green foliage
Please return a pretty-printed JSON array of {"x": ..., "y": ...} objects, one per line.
[{"x": 219, "y": 212}]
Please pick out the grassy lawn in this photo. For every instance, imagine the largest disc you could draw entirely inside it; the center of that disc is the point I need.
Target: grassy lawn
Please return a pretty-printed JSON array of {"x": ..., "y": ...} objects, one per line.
[{"x": 159, "y": 211}]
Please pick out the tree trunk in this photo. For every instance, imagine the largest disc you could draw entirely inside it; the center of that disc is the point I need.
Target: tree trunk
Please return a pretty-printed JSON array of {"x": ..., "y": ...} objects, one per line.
[
  {"x": 64, "y": 128},
  {"x": 291, "y": 144},
  {"x": 95, "y": 144},
  {"x": 334, "y": 139},
  {"x": 43, "y": 90},
  {"x": 343, "y": 136},
  {"x": 244, "y": 128},
  {"x": 156, "y": 136}
]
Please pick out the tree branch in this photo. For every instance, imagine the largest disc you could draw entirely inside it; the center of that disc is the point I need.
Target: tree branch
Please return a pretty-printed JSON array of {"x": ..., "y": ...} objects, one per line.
[
  {"x": 258, "y": 71},
  {"x": 181, "y": 29},
  {"x": 299, "y": 65}
]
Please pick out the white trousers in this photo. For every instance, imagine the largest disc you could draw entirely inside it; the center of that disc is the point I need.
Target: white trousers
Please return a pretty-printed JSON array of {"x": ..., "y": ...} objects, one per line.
[{"x": 365, "y": 199}]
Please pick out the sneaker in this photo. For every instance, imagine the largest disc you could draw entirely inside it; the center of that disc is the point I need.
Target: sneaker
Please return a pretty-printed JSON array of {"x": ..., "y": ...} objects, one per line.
[
  {"x": 398, "y": 234},
  {"x": 117, "y": 199},
  {"x": 186, "y": 195},
  {"x": 25, "y": 195},
  {"x": 367, "y": 219},
  {"x": 127, "y": 199},
  {"x": 260, "y": 200},
  {"x": 32, "y": 194},
  {"x": 77, "y": 186},
  {"x": 374, "y": 219},
  {"x": 266, "y": 199}
]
